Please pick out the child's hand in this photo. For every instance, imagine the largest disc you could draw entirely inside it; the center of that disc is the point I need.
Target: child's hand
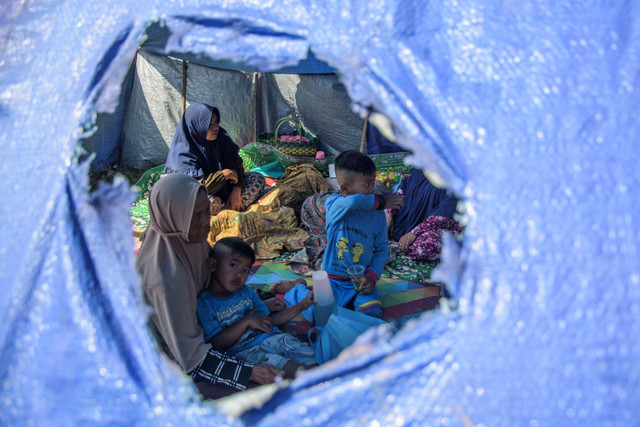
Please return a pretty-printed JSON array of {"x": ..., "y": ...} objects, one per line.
[
  {"x": 368, "y": 285},
  {"x": 393, "y": 202},
  {"x": 256, "y": 321},
  {"x": 307, "y": 302}
]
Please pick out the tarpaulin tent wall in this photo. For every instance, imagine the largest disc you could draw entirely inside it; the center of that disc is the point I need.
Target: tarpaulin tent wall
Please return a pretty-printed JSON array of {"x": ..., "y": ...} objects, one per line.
[
  {"x": 250, "y": 103},
  {"x": 529, "y": 110}
]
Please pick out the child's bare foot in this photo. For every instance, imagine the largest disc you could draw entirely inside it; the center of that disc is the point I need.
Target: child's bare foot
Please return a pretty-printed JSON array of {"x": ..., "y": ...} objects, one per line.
[{"x": 283, "y": 286}]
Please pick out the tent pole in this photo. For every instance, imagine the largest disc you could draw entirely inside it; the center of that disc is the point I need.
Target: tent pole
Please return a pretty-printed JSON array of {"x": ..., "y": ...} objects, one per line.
[
  {"x": 255, "y": 106},
  {"x": 133, "y": 79},
  {"x": 184, "y": 86},
  {"x": 364, "y": 132}
]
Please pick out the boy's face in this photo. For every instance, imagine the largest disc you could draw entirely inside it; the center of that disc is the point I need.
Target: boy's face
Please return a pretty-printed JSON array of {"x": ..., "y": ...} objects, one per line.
[
  {"x": 359, "y": 184},
  {"x": 230, "y": 272}
]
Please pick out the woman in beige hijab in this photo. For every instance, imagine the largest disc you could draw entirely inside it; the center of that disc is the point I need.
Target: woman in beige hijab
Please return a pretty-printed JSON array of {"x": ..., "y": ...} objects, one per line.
[{"x": 172, "y": 261}]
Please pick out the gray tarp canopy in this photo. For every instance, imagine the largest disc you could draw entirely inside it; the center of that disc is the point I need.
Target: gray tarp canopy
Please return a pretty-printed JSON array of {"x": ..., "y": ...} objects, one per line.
[{"x": 250, "y": 103}]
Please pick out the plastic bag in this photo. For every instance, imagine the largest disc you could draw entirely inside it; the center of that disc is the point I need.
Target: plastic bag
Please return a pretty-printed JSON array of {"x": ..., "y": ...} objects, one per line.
[{"x": 341, "y": 330}]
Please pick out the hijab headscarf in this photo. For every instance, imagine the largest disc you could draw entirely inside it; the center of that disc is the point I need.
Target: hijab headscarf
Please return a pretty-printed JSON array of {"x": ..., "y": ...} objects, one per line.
[
  {"x": 174, "y": 270},
  {"x": 421, "y": 200},
  {"x": 191, "y": 153}
]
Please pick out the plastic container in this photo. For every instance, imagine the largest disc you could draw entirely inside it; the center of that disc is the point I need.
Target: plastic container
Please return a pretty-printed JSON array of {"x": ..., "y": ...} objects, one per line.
[
  {"x": 356, "y": 272},
  {"x": 323, "y": 295}
]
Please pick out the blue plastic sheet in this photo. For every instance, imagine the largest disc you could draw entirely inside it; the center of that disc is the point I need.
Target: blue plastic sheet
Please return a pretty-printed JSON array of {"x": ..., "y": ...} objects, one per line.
[{"x": 528, "y": 110}]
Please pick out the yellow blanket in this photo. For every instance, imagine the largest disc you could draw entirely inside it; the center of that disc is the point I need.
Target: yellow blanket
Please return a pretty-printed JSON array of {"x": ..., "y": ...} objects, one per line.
[{"x": 271, "y": 226}]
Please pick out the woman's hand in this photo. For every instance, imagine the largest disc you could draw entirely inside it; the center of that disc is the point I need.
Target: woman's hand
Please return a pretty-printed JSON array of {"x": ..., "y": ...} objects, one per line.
[
  {"x": 265, "y": 374},
  {"x": 390, "y": 223},
  {"x": 234, "y": 202},
  {"x": 406, "y": 241},
  {"x": 393, "y": 201},
  {"x": 256, "y": 321},
  {"x": 230, "y": 175},
  {"x": 275, "y": 304}
]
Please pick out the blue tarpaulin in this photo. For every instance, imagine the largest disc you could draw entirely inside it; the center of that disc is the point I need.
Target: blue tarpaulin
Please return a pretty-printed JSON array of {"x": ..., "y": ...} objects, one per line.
[{"x": 528, "y": 110}]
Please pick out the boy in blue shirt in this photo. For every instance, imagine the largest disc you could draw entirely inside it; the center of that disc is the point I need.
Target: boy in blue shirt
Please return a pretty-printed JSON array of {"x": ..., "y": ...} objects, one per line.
[
  {"x": 356, "y": 234},
  {"x": 235, "y": 320}
]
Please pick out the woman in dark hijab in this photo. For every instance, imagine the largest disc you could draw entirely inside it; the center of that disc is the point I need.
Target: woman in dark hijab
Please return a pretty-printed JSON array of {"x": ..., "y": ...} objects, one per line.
[
  {"x": 427, "y": 212},
  {"x": 202, "y": 149}
]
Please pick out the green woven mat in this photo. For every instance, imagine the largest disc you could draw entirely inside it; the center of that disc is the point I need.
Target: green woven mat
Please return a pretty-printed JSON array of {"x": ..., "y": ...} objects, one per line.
[
  {"x": 140, "y": 208},
  {"x": 400, "y": 268},
  {"x": 258, "y": 154}
]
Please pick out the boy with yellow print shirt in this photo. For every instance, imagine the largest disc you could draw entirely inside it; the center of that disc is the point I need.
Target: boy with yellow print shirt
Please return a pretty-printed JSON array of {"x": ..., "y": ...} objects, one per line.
[{"x": 355, "y": 219}]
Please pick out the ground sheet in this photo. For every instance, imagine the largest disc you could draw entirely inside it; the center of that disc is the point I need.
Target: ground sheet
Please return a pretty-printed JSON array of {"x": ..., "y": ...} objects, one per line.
[{"x": 401, "y": 299}]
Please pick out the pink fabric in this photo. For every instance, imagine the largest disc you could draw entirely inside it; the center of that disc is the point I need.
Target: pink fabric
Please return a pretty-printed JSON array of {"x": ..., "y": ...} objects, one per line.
[
  {"x": 293, "y": 138},
  {"x": 428, "y": 243}
]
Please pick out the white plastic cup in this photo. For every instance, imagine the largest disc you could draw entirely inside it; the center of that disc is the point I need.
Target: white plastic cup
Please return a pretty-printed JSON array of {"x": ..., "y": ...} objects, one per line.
[{"x": 323, "y": 296}]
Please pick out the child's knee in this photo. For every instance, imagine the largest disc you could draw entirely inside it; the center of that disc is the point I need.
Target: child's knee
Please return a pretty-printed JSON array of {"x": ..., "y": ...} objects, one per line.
[
  {"x": 373, "y": 312},
  {"x": 370, "y": 308}
]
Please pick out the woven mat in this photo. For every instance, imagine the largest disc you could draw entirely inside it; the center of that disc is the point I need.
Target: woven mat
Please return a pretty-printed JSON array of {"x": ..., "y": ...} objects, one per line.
[{"x": 140, "y": 207}]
